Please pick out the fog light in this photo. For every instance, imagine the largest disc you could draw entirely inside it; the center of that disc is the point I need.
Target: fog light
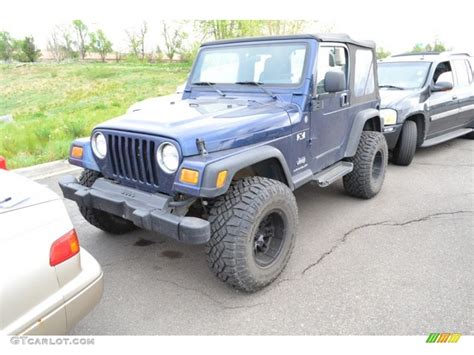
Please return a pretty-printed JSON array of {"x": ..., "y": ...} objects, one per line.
[
  {"x": 189, "y": 176},
  {"x": 221, "y": 177}
]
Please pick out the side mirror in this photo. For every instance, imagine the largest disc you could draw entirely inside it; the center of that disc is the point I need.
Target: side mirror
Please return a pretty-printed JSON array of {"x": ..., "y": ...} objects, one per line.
[
  {"x": 442, "y": 86},
  {"x": 334, "y": 81}
]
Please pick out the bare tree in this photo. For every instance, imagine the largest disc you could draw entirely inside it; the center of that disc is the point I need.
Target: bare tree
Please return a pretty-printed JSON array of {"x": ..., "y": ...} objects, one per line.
[
  {"x": 174, "y": 37},
  {"x": 136, "y": 41},
  {"x": 143, "y": 32},
  {"x": 61, "y": 45}
]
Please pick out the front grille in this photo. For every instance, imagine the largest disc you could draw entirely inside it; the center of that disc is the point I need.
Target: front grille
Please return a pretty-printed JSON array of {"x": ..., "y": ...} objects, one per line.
[{"x": 132, "y": 159}]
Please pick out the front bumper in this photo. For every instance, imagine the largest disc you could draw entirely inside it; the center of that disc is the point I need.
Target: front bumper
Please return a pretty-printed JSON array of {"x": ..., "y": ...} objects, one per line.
[
  {"x": 149, "y": 211},
  {"x": 392, "y": 133}
]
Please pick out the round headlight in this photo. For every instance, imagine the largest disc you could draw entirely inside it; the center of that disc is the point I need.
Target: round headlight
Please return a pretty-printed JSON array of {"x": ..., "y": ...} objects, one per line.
[
  {"x": 167, "y": 157},
  {"x": 99, "y": 145}
]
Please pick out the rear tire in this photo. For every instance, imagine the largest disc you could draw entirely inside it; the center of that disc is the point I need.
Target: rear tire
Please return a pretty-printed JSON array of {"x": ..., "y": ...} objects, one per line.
[
  {"x": 404, "y": 151},
  {"x": 370, "y": 164},
  {"x": 253, "y": 229},
  {"x": 103, "y": 220}
]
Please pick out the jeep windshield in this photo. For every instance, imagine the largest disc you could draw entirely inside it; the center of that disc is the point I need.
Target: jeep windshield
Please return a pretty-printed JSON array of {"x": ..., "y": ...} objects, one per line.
[
  {"x": 275, "y": 64},
  {"x": 403, "y": 75}
]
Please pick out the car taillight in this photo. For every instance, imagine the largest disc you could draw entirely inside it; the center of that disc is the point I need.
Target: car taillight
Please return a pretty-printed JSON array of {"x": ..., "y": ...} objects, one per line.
[
  {"x": 3, "y": 163},
  {"x": 64, "y": 248}
]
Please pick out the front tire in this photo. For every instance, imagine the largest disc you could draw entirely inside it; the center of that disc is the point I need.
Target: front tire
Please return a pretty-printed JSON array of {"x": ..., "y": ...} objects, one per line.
[
  {"x": 103, "y": 220},
  {"x": 404, "y": 151},
  {"x": 370, "y": 164},
  {"x": 253, "y": 229}
]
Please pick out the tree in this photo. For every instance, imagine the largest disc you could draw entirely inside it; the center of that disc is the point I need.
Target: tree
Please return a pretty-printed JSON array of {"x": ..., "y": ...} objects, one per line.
[
  {"x": 81, "y": 35},
  {"x": 29, "y": 52},
  {"x": 437, "y": 46},
  {"x": 136, "y": 41},
  {"x": 7, "y": 45},
  {"x": 284, "y": 27},
  {"x": 143, "y": 32},
  {"x": 61, "y": 44},
  {"x": 174, "y": 38},
  {"x": 100, "y": 44},
  {"x": 382, "y": 53}
]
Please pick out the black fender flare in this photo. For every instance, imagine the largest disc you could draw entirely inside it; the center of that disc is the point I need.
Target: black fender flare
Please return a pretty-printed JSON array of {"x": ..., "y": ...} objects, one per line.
[
  {"x": 357, "y": 127},
  {"x": 237, "y": 162}
]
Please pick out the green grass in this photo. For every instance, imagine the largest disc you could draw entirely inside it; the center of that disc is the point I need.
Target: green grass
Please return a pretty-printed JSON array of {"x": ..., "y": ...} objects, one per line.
[{"x": 54, "y": 103}]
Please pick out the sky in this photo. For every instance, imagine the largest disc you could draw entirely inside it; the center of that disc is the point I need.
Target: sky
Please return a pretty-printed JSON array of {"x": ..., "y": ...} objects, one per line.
[{"x": 394, "y": 25}]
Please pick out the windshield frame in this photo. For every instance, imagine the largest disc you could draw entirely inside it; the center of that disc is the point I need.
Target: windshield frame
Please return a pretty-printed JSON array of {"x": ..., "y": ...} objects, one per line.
[
  {"x": 238, "y": 87},
  {"x": 428, "y": 73}
]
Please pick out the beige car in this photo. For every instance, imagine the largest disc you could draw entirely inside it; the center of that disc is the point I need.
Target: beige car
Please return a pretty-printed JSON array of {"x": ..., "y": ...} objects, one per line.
[{"x": 47, "y": 282}]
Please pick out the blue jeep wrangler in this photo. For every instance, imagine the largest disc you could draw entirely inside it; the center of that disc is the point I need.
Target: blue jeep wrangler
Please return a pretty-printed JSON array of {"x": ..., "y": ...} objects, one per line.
[{"x": 259, "y": 117}]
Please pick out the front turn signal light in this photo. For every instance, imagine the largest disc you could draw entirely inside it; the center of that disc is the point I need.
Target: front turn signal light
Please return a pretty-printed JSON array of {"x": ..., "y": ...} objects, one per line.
[
  {"x": 221, "y": 178},
  {"x": 189, "y": 176},
  {"x": 77, "y": 152}
]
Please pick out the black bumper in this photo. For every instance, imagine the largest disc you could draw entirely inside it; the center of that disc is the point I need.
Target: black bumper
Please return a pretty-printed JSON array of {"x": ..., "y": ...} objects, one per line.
[
  {"x": 150, "y": 211},
  {"x": 392, "y": 133}
]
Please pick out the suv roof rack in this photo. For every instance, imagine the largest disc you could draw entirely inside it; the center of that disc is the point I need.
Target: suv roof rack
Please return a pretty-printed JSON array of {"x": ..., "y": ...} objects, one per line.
[{"x": 446, "y": 53}]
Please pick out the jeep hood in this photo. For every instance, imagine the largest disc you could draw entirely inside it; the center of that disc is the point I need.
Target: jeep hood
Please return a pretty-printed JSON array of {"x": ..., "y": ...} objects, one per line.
[{"x": 222, "y": 123}]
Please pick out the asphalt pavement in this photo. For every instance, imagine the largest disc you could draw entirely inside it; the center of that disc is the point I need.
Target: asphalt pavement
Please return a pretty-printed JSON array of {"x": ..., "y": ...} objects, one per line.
[{"x": 399, "y": 264}]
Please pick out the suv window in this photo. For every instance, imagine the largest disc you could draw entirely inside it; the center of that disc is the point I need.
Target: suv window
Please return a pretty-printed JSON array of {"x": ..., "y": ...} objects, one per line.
[
  {"x": 461, "y": 70},
  {"x": 364, "y": 82},
  {"x": 443, "y": 72},
  {"x": 330, "y": 59}
]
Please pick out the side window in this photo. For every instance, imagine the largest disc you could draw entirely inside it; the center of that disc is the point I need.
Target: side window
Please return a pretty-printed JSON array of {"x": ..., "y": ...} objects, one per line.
[
  {"x": 364, "y": 82},
  {"x": 443, "y": 72},
  {"x": 462, "y": 75},
  {"x": 330, "y": 59}
]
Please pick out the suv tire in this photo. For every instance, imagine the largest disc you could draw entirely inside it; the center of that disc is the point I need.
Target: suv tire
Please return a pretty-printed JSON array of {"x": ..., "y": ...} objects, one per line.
[
  {"x": 103, "y": 220},
  {"x": 370, "y": 164},
  {"x": 470, "y": 135},
  {"x": 405, "y": 149},
  {"x": 253, "y": 229}
]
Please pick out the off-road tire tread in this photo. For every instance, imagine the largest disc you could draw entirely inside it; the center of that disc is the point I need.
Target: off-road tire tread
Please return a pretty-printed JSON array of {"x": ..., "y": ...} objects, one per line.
[
  {"x": 231, "y": 217},
  {"x": 358, "y": 182}
]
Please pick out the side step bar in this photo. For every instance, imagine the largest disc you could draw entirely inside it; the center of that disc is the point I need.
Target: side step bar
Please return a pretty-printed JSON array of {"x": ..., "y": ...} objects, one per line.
[
  {"x": 332, "y": 173},
  {"x": 446, "y": 137}
]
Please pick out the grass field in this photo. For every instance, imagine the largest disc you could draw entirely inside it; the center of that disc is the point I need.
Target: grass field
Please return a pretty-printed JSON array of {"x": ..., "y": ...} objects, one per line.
[{"x": 54, "y": 103}]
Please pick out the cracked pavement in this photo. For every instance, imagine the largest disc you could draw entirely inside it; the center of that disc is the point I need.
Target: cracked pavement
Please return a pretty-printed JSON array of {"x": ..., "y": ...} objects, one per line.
[{"x": 399, "y": 264}]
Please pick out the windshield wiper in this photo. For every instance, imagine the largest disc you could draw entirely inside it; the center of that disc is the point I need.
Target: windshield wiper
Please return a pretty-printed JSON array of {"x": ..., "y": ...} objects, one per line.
[
  {"x": 260, "y": 85},
  {"x": 391, "y": 87},
  {"x": 212, "y": 85}
]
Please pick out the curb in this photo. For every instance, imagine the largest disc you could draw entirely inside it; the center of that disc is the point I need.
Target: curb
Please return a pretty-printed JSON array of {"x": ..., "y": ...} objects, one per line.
[{"x": 46, "y": 170}]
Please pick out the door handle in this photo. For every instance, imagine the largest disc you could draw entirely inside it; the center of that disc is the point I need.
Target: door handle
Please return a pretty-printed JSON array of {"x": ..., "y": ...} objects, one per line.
[
  {"x": 344, "y": 100},
  {"x": 455, "y": 97}
]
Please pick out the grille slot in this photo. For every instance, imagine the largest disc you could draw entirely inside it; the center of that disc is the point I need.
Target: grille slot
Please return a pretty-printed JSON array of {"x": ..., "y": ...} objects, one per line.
[{"x": 133, "y": 159}]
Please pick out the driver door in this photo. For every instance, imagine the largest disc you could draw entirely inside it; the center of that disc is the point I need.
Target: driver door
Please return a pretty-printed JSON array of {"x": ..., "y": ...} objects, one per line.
[{"x": 330, "y": 111}]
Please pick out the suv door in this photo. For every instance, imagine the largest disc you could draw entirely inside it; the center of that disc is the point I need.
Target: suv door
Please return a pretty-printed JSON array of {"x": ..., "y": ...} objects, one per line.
[
  {"x": 464, "y": 90},
  {"x": 329, "y": 114},
  {"x": 443, "y": 105}
]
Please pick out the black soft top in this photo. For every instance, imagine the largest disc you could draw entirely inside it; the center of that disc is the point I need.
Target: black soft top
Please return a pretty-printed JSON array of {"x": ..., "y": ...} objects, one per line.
[{"x": 321, "y": 37}]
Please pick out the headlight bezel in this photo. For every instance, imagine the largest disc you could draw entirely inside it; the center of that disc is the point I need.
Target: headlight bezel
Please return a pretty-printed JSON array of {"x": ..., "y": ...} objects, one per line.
[
  {"x": 160, "y": 158},
  {"x": 96, "y": 148},
  {"x": 389, "y": 116}
]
